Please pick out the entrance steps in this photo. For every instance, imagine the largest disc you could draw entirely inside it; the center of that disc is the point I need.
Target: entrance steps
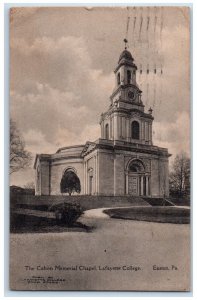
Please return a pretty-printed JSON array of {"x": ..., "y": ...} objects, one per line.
[{"x": 158, "y": 201}]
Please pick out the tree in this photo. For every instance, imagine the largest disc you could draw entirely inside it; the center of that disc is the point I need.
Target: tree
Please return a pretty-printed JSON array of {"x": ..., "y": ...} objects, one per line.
[
  {"x": 180, "y": 175},
  {"x": 66, "y": 213},
  {"x": 70, "y": 183},
  {"x": 19, "y": 157}
]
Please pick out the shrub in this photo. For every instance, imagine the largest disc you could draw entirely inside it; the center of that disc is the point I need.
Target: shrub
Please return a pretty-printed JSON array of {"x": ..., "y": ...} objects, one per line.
[{"x": 66, "y": 213}]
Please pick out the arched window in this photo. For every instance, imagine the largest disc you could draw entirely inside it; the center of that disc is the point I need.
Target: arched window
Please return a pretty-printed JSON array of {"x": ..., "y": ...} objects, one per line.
[
  {"x": 107, "y": 131},
  {"x": 128, "y": 76},
  {"x": 136, "y": 166},
  {"x": 70, "y": 182},
  {"x": 118, "y": 79},
  {"x": 133, "y": 168},
  {"x": 135, "y": 130}
]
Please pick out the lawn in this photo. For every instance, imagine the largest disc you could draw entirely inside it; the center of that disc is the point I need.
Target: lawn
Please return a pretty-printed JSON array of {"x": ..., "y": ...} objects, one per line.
[
  {"x": 169, "y": 214},
  {"x": 116, "y": 255},
  {"x": 33, "y": 224}
]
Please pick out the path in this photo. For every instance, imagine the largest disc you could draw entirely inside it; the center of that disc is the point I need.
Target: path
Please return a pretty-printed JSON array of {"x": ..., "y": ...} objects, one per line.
[{"x": 96, "y": 213}]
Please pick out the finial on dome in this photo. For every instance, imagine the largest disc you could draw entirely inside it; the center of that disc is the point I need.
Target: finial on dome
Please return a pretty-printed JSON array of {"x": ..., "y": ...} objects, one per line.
[
  {"x": 150, "y": 111},
  {"x": 125, "y": 41}
]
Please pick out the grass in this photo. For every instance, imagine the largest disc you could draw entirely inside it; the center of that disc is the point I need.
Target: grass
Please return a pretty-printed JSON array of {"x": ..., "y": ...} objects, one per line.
[
  {"x": 114, "y": 243},
  {"x": 152, "y": 214},
  {"x": 33, "y": 224}
]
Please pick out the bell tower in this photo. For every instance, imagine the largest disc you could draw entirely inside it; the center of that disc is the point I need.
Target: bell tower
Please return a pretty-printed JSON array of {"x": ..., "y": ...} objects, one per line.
[
  {"x": 125, "y": 119},
  {"x": 126, "y": 87}
]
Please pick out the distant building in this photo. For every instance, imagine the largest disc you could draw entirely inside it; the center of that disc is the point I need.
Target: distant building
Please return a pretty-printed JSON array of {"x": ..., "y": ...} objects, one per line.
[{"x": 123, "y": 161}]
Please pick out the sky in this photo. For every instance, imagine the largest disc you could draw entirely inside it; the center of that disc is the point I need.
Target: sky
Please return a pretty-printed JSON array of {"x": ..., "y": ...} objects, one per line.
[{"x": 61, "y": 73}]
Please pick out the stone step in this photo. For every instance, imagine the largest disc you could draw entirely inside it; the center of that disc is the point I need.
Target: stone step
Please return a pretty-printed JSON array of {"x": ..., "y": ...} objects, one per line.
[{"x": 158, "y": 201}]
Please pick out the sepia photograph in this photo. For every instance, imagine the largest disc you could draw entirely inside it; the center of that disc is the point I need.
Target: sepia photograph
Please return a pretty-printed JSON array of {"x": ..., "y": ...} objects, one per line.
[{"x": 100, "y": 148}]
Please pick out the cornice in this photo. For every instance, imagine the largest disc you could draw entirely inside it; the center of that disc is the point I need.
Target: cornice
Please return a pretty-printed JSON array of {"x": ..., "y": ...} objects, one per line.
[{"x": 123, "y": 87}]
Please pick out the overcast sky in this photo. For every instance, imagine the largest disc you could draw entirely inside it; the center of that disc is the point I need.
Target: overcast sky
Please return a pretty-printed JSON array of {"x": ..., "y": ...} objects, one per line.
[{"x": 62, "y": 62}]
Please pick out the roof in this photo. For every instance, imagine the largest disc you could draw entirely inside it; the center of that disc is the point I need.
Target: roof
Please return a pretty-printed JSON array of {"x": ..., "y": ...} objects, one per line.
[{"x": 126, "y": 55}]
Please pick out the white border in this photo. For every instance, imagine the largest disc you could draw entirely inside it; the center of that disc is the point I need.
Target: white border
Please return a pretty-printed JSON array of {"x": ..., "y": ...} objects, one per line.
[{"x": 4, "y": 182}]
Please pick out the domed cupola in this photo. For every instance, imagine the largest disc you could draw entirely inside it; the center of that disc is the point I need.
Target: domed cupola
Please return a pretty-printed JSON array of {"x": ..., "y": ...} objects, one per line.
[
  {"x": 126, "y": 55},
  {"x": 126, "y": 60}
]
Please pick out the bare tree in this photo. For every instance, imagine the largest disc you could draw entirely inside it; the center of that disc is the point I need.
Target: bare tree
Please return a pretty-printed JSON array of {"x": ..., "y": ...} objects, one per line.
[
  {"x": 180, "y": 175},
  {"x": 19, "y": 157}
]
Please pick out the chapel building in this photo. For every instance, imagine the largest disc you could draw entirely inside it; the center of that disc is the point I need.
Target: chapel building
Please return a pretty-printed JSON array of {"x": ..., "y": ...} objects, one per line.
[{"x": 124, "y": 160}]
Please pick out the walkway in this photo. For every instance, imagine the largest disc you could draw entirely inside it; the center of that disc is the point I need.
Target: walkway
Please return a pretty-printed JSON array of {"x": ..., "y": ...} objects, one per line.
[{"x": 96, "y": 213}]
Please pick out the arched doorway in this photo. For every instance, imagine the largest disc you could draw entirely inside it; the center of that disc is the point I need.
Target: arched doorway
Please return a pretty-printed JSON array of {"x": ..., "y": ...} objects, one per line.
[
  {"x": 137, "y": 179},
  {"x": 70, "y": 182}
]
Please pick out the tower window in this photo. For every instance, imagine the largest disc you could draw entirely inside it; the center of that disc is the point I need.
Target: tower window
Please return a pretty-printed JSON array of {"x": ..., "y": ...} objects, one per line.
[
  {"x": 128, "y": 76},
  {"x": 118, "y": 78},
  {"x": 135, "y": 130},
  {"x": 107, "y": 131}
]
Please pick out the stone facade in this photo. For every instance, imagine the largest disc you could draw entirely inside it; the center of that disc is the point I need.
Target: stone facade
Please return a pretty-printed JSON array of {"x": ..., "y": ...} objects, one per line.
[{"x": 124, "y": 160}]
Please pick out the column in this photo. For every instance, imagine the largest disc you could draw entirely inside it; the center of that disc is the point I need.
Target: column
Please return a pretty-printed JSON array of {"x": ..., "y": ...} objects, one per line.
[
  {"x": 123, "y": 127},
  {"x": 149, "y": 185},
  {"x": 120, "y": 127},
  {"x": 141, "y": 178},
  {"x": 127, "y": 130},
  {"x": 143, "y": 130},
  {"x": 127, "y": 184},
  {"x": 150, "y": 137},
  {"x": 114, "y": 174},
  {"x": 94, "y": 175},
  {"x": 151, "y": 133},
  {"x": 115, "y": 127},
  {"x": 102, "y": 129},
  {"x": 98, "y": 177},
  {"x": 110, "y": 129},
  {"x": 84, "y": 177},
  {"x": 112, "y": 123},
  {"x": 147, "y": 188}
]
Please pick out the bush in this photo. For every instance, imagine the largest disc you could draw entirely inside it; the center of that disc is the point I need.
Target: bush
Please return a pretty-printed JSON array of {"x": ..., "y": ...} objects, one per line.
[{"x": 66, "y": 213}]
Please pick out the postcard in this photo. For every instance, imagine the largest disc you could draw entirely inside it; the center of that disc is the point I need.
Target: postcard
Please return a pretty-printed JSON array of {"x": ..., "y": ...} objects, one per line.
[{"x": 100, "y": 148}]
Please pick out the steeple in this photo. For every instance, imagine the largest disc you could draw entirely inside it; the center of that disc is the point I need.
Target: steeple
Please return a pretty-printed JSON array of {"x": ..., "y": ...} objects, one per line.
[
  {"x": 125, "y": 119},
  {"x": 126, "y": 88}
]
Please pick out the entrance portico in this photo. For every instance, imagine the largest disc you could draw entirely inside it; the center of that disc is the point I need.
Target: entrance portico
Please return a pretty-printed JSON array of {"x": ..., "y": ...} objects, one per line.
[{"x": 137, "y": 179}]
